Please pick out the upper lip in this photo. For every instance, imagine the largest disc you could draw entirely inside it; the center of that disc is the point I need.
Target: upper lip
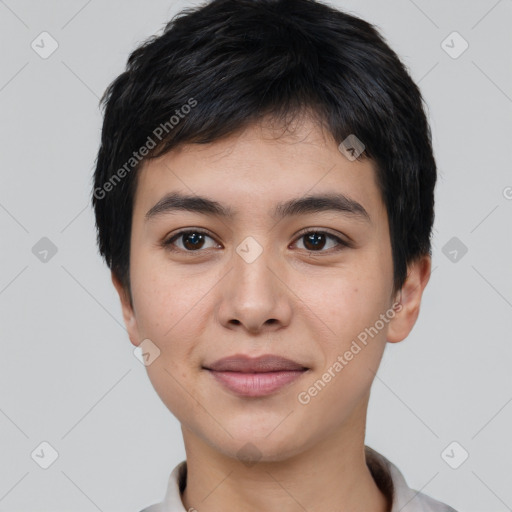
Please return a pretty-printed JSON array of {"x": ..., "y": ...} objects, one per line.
[{"x": 246, "y": 364}]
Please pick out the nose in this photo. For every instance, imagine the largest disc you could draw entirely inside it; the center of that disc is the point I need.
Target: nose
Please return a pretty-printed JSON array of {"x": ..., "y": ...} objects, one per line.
[{"x": 254, "y": 295}]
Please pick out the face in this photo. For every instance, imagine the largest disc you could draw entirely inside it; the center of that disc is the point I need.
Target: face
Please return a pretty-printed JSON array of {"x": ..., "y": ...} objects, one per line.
[{"x": 251, "y": 278}]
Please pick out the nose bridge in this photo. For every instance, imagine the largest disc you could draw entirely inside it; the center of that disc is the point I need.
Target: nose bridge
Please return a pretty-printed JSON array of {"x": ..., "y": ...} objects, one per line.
[
  {"x": 251, "y": 273},
  {"x": 255, "y": 296}
]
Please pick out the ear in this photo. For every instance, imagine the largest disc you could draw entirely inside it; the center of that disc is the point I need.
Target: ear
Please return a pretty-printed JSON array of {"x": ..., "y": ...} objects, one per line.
[
  {"x": 410, "y": 299},
  {"x": 128, "y": 314}
]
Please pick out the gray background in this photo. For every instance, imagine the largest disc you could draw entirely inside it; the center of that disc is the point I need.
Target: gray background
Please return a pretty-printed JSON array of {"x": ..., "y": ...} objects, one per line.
[{"x": 68, "y": 375}]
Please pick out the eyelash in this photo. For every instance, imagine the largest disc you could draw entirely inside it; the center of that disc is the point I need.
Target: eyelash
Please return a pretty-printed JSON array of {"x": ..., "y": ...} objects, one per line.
[{"x": 168, "y": 243}]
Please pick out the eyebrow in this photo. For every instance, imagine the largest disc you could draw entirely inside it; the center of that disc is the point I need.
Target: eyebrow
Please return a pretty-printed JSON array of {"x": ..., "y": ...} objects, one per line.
[{"x": 337, "y": 202}]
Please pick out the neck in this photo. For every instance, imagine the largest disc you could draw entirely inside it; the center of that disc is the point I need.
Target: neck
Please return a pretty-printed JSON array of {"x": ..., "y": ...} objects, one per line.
[{"x": 332, "y": 474}]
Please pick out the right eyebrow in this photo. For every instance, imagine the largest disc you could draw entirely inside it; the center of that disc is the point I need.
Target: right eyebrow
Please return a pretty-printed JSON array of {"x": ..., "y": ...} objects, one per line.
[{"x": 176, "y": 201}]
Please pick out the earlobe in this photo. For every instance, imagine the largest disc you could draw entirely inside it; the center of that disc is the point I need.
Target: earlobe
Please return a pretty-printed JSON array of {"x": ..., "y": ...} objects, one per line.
[
  {"x": 129, "y": 318},
  {"x": 410, "y": 299}
]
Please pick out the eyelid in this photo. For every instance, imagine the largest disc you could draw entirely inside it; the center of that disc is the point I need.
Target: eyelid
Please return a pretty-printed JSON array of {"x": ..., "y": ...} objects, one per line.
[
  {"x": 169, "y": 240},
  {"x": 342, "y": 243},
  {"x": 325, "y": 231}
]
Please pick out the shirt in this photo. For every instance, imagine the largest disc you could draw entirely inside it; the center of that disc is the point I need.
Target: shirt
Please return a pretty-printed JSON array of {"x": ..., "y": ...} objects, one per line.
[{"x": 387, "y": 476}]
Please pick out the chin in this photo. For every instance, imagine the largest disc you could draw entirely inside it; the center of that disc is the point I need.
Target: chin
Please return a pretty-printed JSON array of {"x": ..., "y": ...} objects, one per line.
[{"x": 260, "y": 445}]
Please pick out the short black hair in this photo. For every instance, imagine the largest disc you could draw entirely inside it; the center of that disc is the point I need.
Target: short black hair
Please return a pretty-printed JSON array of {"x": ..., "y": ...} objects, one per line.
[{"x": 224, "y": 65}]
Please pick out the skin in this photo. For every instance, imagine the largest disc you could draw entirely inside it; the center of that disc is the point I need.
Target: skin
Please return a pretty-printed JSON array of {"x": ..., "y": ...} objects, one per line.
[{"x": 308, "y": 306}]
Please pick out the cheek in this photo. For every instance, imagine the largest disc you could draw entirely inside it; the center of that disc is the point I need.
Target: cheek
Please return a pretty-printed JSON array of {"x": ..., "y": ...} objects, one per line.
[
  {"x": 343, "y": 302},
  {"x": 343, "y": 309},
  {"x": 351, "y": 347},
  {"x": 165, "y": 298},
  {"x": 169, "y": 312},
  {"x": 173, "y": 309}
]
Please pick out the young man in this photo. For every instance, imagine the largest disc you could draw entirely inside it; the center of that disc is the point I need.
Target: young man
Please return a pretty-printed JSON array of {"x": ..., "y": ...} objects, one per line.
[{"x": 264, "y": 198}]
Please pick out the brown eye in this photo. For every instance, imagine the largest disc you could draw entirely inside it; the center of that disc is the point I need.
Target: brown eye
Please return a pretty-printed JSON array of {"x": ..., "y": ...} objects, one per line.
[
  {"x": 315, "y": 241},
  {"x": 191, "y": 241}
]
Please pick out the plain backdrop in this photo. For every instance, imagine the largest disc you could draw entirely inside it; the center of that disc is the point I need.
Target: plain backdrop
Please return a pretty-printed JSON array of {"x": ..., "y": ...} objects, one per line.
[{"x": 68, "y": 375}]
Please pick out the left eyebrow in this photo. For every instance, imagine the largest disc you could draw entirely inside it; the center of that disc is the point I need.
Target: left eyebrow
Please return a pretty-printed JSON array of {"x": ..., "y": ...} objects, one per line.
[{"x": 336, "y": 202}]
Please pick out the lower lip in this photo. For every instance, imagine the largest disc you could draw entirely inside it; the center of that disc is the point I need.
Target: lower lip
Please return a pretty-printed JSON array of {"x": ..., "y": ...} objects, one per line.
[{"x": 256, "y": 384}]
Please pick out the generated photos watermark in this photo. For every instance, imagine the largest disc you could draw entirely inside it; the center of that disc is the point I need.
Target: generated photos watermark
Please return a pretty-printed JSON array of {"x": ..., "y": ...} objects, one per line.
[
  {"x": 137, "y": 156},
  {"x": 304, "y": 397}
]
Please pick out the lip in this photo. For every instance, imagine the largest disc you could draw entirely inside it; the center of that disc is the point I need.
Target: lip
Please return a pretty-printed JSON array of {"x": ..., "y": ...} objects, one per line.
[
  {"x": 253, "y": 377},
  {"x": 245, "y": 364}
]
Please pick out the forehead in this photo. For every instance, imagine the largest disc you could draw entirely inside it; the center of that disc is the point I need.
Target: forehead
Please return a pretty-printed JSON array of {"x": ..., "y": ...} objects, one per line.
[{"x": 258, "y": 170}]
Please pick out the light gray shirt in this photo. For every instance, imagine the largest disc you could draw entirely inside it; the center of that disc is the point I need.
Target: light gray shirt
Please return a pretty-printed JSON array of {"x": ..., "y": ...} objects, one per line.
[{"x": 386, "y": 475}]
